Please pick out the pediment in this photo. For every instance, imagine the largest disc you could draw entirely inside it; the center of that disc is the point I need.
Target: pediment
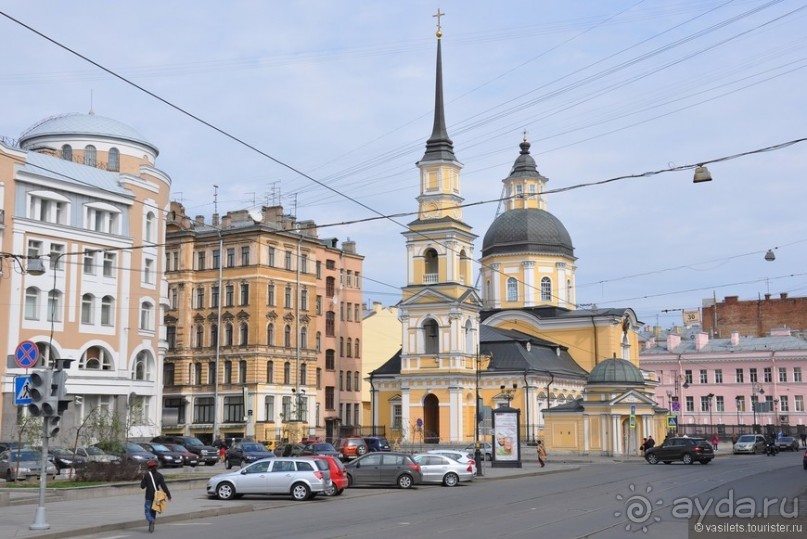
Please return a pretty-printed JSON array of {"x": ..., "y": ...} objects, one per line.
[
  {"x": 632, "y": 397},
  {"x": 243, "y": 315}
]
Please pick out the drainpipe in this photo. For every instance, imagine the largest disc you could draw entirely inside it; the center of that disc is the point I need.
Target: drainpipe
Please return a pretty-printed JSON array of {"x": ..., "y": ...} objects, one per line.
[{"x": 527, "y": 406}]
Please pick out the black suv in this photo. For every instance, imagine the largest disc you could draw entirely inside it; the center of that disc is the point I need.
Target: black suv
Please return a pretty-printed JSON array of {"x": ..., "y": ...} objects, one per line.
[
  {"x": 687, "y": 450},
  {"x": 376, "y": 443},
  {"x": 207, "y": 453}
]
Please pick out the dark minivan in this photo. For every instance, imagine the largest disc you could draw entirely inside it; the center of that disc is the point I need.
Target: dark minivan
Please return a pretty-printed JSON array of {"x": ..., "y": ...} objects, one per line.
[
  {"x": 207, "y": 453},
  {"x": 376, "y": 443}
]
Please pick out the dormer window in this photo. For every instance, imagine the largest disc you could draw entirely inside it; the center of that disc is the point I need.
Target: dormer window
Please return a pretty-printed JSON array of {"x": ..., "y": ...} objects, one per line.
[
  {"x": 48, "y": 207},
  {"x": 102, "y": 217}
]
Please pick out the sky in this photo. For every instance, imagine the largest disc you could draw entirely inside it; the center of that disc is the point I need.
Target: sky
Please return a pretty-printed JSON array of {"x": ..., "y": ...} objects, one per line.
[{"x": 324, "y": 106}]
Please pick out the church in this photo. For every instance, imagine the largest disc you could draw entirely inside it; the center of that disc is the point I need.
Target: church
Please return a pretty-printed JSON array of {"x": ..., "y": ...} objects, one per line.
[{"x": 519, "y": 342}]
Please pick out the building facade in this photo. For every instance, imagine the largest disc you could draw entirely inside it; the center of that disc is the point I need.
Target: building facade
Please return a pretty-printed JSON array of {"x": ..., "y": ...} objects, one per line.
[
  {"x": 82, "y": 193},
  {"x": 753, "y": 317},
  {"x": 254, "y": 327}
]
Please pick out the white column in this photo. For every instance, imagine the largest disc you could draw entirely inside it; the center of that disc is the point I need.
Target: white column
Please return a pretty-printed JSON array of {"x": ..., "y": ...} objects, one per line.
[
  {"x": 495, "y": 283},
  {"x": 455, "y": 413},
  {"x": 616, "y": 435},
  {"x": 529, "y": 283},
  {"x": 405, "y": 415},
  {"x": 586, "y": 433}
]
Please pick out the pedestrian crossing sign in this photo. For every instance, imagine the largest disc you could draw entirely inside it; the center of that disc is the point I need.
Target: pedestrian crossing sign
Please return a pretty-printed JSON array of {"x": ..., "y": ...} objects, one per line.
[
  {"x": 22, "y": 390},
  {"x": 672, "y": 422}
]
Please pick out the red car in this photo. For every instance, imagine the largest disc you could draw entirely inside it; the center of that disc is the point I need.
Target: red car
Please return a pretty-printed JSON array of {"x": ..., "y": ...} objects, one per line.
[{"x": 339, "y": 481}]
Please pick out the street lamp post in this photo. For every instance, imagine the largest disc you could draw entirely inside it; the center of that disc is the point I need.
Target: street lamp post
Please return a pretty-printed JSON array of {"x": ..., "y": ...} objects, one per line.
[
  {"x": 709, "y": 398},
  {"x": 756, "y": 389},
  {"x": 478, "y": 456}
]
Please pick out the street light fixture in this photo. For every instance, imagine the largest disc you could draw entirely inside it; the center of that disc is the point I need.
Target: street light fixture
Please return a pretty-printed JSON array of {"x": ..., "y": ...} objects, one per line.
[{"x": 756, "y": 389}]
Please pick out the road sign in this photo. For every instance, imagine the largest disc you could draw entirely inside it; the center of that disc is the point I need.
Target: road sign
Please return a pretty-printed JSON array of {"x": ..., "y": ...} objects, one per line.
[
  {"x": 26, "y": 354},
  {"x": 22, "y": 390},
  {"x": 632, "y": 409},
  {"x": 672, "y": 422},
  {"x": 676, "y": 406}
]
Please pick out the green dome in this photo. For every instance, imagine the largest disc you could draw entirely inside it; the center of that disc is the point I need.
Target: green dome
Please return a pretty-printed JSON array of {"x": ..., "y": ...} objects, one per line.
[{"x": 615, "y": 371}]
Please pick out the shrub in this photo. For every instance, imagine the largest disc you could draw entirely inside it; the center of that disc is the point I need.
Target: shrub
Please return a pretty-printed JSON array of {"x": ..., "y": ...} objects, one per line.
[{"x": 109, "y": 471}]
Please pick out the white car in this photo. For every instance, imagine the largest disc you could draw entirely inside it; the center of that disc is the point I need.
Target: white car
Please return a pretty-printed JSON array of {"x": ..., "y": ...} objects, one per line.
[
  {"x": 459, "y": 455},
  {"x": 442, "y": 469},
  {"x": 302, "y": 478},
  {"x": 486, "y": 448}
]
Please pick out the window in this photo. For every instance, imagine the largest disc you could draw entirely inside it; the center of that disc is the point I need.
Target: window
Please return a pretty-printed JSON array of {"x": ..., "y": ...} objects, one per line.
[
  {"x": 169, "y": 378},
  {"x": 151, "y": 227},
  {"x": 56, "y": 252},
  {"x": 212, "y": 375},
  {"x": 512, "y": 289},
  {"x": 797, "y": 374},
  {"x": 349, "y": 312},
  {"x": 54, "y": 306},
  {"x": 142, "y": 366},
  {"x": 356, "y": 312},
  {"x": 330, "y": 287},
  {"x": 705, "y": 404},
  {"x": 286, "y": 408},
  {"x": 752, "y": 374},
  {"x": 304, "y": 264},
  {"x": 784, "y": 404},
  {"x": 718, "y": 376},
  {"x": 228, "y": 372},
  {"x": 397, "y": 416},
  {"x": 200, "y": 298},
  {"x": 203, "y": 410},
  {"x": 287, "y": 336},
  {"x": 740, "y": 402},
  {"x": 720, "y": 404},
  {"x": 358, "y": 282},
  {"x": 799, "y": 403},
  {"x": 245, "y": 255},
  {"x": 228, "y": 334},
  {"x": 318, "y": 305},
  {"x": 214, "y": 335},
  {"x": 244, "y": 294},
  {"x": 356, "y": 349},
  {"x": 147, "y": 316},
  {"x": 342, "y": 312},
  {"x": 48, "y": 207},
  {"x": 171, "y": 337},
  {"x": 341, "y": 347},
  {"x": 329, "y": 400},
  {"x": 341, "y": 380},
  {"x": 113, "y": 160},
  {"x": 318, "y": 342},
  {"x": 216, "y": 260},
  {"x": 287, "y": 298},
  {"x": 349, "y": 349},
  {"x": 303, "y": 374},
  {"x": 108, "y": 311},
  {"x": 319, "y": 378},
  {"x": 318, "y": 269},
  {"x": 270, "y": 294},
  {"x": 229, "y": 295},
  {"x": 200, "y": 335},
  {"x": 782, "y": 374},
  {"x": 87, "y": 308},
  {"x": 356, "y": 416},
  {"x": 230, "y": 257},
  {"x": 200, "y": 260},
  {"x": 287, "y": 373},
  {"x": 95, "y": 358},
  {"x": 348, "y": 382},
  {"x": 767, "y": 375},
  {"x": 304, "y": 299},
  {"x": 244, "y": 334},
  {"x": 271, "y": 257},
  {"x": 287, "y": 260},
  {"x": 304, "y": 338},
  {"x": 270, "y": 372},
  {"x": 214, "y": 296},
  {"x": 330, "y": 357},
  {"x": 89, "y": 262},
  {"x": 703, "y": 377},
  {"x": 270, "y": 335},
  {"x": 738, "y": 375},
  {"x": 348, "y": 417},
  {"x": 430, "y": 337},
  {"x": 67, "y": 152},
  {"x": 690, "y": 404},
  {"x": 688, "y": 377},
  {"x": 89, "y": 155},
  {"x": 269, "y": 408},
  {"x": 349, "y": 278},
  {"x": 356, "y": 381},
  {"x": 148, "y": 271},
  {"x": 330, "y": 264},
  {"x": 102, "y": 217},
  {"x": 32, "y": 303},
  {"x": 242, "y": 372},
  {"x": 330, "y": 323},
  {"x": 109, "y": 264},
  {"x": 546, "y": 289}
]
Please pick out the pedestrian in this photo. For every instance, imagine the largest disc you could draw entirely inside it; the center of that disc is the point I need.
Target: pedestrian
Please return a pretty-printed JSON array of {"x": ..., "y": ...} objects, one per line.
[
  {"x": 643, "y": 447},
  {"x": 541, "y": 454},
  {"x": 804, "y": 440},
  {"x": 715, "y": 441},
  {"x": 153, "y": 481},
  {"x": 734, "y": 439}
]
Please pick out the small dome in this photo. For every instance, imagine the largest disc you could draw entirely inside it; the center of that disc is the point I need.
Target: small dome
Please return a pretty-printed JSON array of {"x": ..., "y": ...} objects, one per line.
[
  {"x": 83, "y": 124},
  {"x": 524, "y": 166},
  {"x": 527, "y": 230},
  {"x": 615, "y": 371}
]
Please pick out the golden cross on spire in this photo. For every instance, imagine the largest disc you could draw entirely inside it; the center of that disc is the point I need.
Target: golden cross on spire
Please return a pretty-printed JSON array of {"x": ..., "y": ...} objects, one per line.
[{"x": 439, "y": 28}]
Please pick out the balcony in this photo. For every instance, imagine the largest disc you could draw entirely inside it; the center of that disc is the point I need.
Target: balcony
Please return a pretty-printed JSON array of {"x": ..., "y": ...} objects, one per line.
[{"x": 430, "y": 278}]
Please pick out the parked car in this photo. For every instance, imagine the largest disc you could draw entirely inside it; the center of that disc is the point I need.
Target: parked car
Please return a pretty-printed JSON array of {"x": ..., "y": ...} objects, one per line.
[
  {"x": 804, "y": 460},
  {"x": 460, "y": 456},
  {"x": 750, "y": 443},
  {"x": 320, "y": 448},
  {"x": 442, "y": 469},
  {"x": 303, "y": 478},
  {"x": 130, "y": 453},
  {"x": 351, "y": 448},
  {"x": 687, "y": 450},
  {"x": 206, "y": 453},
  {"x": 65, "y": 458},
  {"x": 287, "y": 450},
  {"x": 166, "y": 456},
  {"x": 23, "y": 463},
  {"x": 241, "y": 453},
  {"x": 377, "y": 443},
  {"x": 339, "y": 480},
  {"x": 384, "y": 469},
  {"x": 188, "y": 458},
  {"x": 96, "y": 454},
  {"x": 486, "y": 448},
  {"x": 787, "y": 443}
]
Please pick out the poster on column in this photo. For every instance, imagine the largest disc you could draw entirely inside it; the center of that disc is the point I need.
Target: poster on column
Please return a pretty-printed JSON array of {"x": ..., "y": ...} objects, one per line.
[{"x": 506, "y": 437}]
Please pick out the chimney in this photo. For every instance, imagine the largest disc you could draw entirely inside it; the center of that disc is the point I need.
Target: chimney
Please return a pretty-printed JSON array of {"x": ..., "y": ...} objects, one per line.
[
  {"x": 349, "y": 246},
  {"x": 673, "y": 341},
  {"x": 215, "y": 219},
  {"x": 656, "y": 331},
  {"x": 200, "y": 220},
  {"x": 732, "y": 299},
  {"x": 735, "y": 338},
  {"x": 767, "y": 296},
  {"x": 701, "y": 340},
  {"x": 226, "y": 221},
  {"x": 783, "y": 295},
  {"x": 650, "y": 343}
]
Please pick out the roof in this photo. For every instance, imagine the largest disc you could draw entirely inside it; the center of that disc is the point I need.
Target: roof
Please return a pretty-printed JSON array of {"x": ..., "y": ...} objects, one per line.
[
  {"x": 73, "y": 173},
  {"x": 615, "y": 371},
  {"x": 527, "y": 230},
  {"x": 717, "y": 346},
  {"x": 83, "y": 124}
]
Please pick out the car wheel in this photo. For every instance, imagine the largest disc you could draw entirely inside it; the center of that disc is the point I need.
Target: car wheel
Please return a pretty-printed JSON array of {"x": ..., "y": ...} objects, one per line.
[
  {"x": 451, "y": 480},
  {"x": 687, "y": 458},
  {"x": 225, "y": 491},
  {"x": 361, "y": 450},
  {"x": 228, "y": 464},
  {"x": 652, "y": 458},
  {"x": 300, "y": 492},
  {"x": 349, "y": 480},
  {"x": 330, "y": 491},
  {"x": 667, "y": 462},
  {"x": 339, "y": 492},
  {"x": 405, "y": 481}
]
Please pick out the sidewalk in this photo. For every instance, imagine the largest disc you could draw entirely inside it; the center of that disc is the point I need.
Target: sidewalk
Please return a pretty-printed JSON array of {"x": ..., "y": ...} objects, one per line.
[{"x": 75, "y": 517}]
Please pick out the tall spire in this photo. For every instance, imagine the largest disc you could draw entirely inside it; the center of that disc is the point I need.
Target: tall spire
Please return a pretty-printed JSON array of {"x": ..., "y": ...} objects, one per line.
[{"x": 439, "y": 147}]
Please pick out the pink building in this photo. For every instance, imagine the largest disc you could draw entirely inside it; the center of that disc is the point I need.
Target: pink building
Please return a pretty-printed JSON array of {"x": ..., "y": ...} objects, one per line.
[{"x": 717, "y": 381}]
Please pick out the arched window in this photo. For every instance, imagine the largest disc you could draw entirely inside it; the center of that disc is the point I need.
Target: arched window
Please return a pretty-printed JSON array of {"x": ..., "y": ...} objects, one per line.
[
  {"x": 197, "y": 372},
  {"x": 142, "y": 366},
  {"x": 469, "y": 337},
  {"x": 569, "y": 290},
  {"x": 89, "y": 155},
  {"x": 228, "y": 334},
  {"x": 32, "y": 303},
  {"x": 357, "y": 349},
  {"x": 67, "y": 152},
  {"x": 200, "y": 336},
  {"x": 151, "y": 228},
  {"x": 431, "y": 337},
  {"x": 431, "y": 263},
  {"x": 287, "y": 373},
  {"x": 214, "y": 335},
  {"x": 349, "y": 349},
  {"x": 356, "y": 381},
  {"x": 270, "y": 372},
  {"x": 270, "y": 335},
  {"x": 341, "y": 347},
  {"x": 488, "y": 297},
  {"x": 512, "y": 289},
  {"x": 546, "y": 289},
  {"x": 108, "y": 311},
  {"x": 147, "y": 316},
  {"x": 114, "y": 160},
  {"x": 87, "y": 309},
  {"x": 304, "y": 338},
  {"x": 54, "y": 306},
  {"x": 348, "y": 381},
  {"x": 228, "y": 372},
  {"x": 95, "y": 358},
  {"x": 464, "y": 267},
  {"x": 287, "y": 336},
  {"x": 303, "y": 374},
  {"x": 244, "y": 338}
]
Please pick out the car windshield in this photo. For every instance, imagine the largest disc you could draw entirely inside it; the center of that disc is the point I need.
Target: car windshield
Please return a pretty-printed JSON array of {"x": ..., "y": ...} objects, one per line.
[
  {"x": 159, "y": 447},
  {"x": 135, "y": 448},
  {"x": 180, "y": 448},
  {"x": 94, "y": 451},
  {"x": 746, "y": 438},
  {"x": 193, "y": 442},
  {"x": 786, "y": 439},
  {"x": 253, "y": 447},
  {"x": 26, "y": 456},
  {"x": 323, "y": 447}
]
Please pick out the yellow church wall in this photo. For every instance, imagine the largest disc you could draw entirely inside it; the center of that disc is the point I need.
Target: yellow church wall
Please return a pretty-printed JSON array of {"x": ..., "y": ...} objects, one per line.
[
  {"x": 565, "y": 434},
  {"x": 595, "y": 433}
]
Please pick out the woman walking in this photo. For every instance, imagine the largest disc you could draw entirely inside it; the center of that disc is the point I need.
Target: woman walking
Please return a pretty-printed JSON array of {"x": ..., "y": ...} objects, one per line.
[
  {"x": 541, "y": 454},
  {"x": 153, "y": 481}
]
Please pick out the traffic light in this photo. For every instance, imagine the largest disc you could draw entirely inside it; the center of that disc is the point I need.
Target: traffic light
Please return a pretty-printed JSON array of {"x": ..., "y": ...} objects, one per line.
[
  {"x": 52, "y": 425},
  {"x": 60, "y": 389},
  {"x": 43, "y": 400}
]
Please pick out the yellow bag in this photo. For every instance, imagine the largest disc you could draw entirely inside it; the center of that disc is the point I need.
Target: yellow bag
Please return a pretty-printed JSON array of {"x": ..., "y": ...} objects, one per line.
[{"x": 160, "y": 501}]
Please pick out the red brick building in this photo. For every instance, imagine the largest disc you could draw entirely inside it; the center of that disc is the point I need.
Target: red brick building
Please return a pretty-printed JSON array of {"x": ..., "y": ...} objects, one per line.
[{"x": 754, "y": 318}]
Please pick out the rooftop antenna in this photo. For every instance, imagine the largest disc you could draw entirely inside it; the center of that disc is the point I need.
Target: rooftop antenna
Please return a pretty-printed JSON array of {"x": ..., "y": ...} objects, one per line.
[
  {"x": 253, "y": 197},
  {"x": 215, "y": 198},
  {"x": 178, "y": 195}
]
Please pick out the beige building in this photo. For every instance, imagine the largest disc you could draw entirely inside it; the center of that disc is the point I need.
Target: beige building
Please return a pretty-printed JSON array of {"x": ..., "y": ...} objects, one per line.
[
  {"x": 381, "y": 332},
  {"x": 262, "y": 330},
  {"x": 82, "y": 193}
]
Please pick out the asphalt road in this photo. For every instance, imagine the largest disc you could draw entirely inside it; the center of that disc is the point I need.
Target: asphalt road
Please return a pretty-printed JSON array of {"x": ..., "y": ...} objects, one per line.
[{"x": 613, "y": 500}]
